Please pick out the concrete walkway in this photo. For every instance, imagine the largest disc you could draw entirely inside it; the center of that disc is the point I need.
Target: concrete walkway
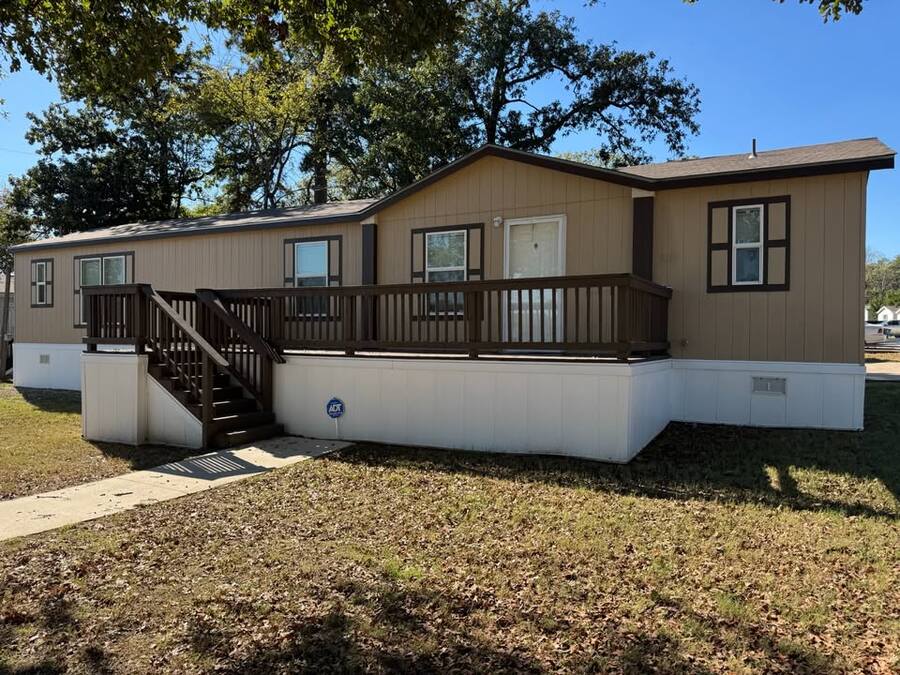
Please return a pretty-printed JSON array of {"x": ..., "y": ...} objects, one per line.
[
  {"x": 47, "y": 511},
  {"x": 885, "y": 371}
]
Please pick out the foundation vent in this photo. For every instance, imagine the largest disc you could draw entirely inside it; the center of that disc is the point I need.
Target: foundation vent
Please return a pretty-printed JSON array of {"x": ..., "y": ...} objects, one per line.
[
  {"x": 44, "y": 359},
  {"x": 770, "y": 385}
]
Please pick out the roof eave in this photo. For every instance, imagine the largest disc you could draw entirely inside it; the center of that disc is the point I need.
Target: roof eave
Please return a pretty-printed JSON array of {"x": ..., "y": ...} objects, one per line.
[
  {"x": 774, "y": 173},
  {"x": 554, "y": 163},
  {"x": 354, "y": 217}
]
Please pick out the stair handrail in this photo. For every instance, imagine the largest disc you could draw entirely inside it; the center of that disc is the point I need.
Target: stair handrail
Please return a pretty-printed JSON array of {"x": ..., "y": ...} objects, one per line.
[
  {"x": 209, "y": 358},
  {"x": 252, "y": 368},
  {"x": 212, "y": 300},
  {"x": 191, "y": 332}
]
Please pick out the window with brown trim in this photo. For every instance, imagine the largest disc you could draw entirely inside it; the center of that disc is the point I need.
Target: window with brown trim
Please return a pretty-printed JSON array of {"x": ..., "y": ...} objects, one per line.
[
  {"x": 100, "y": 269},
  {"x": 42, "y": 282},
  {"x": 446, "y": 254},
  {"x": 748, "y": 245},
  {"x": 313, "y": 262}
]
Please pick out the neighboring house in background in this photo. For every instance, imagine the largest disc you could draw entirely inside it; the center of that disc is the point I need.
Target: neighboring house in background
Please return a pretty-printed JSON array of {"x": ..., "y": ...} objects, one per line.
[
  {"x": 11, "y": 330},
  {"x": 509, "y": 302},
  {"x": 889, "y": 313}
]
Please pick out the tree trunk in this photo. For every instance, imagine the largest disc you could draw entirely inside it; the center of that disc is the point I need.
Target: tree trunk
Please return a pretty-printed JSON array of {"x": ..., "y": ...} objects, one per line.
[
  {"x": 4, "y": 324},
  {"x": 319, "y": 160},
  {"x": 320, "y": 180}
]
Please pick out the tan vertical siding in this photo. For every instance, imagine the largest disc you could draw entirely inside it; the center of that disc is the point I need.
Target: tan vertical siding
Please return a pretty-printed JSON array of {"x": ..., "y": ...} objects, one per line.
[
  {"x": 598, "y": 216},
  {"x": 817, "y": 320},
  {"x": 252, "y": 259}
]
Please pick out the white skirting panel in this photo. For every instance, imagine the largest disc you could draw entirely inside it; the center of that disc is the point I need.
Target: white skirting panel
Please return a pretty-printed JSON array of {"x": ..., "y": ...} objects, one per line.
[
  {"x": 50, "y": 366},
  {"x": 169, "y": 422},
  {"x": 598, "y": 411},
  {"x": 47, "y": 366},
  {"x": 114, "y": 398},
  {"x": 817, "y": 395},
  {"x": 122, "y": 403}
]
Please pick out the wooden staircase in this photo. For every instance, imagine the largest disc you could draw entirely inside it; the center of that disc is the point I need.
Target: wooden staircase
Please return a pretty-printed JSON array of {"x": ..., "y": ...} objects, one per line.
[
  {"x": 237, "y": 417},
  {"x": 199, "y": 350}
]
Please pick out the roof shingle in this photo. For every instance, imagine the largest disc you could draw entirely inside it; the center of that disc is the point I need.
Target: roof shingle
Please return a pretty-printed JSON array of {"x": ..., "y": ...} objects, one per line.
[{"x": 825, "y": 153}]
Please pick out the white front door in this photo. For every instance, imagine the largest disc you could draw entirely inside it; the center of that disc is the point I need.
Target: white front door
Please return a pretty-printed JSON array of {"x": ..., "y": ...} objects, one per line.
[{"x": 534, "y": 248}]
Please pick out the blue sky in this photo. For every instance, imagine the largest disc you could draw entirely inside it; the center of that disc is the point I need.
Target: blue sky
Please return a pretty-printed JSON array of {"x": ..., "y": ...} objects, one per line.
[{"x": 770, "y": 71}]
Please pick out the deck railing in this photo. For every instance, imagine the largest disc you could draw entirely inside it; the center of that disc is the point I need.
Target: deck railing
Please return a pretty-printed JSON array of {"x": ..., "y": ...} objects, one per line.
[
  {"x": 135, "y": 314},
  {"x": 614, "y": 315},
  {"x": 617, "y": 315}
]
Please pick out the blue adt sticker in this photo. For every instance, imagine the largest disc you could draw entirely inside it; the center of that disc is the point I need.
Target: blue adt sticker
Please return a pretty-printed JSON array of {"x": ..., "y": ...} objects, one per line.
[{"x": 335, "y": 408}]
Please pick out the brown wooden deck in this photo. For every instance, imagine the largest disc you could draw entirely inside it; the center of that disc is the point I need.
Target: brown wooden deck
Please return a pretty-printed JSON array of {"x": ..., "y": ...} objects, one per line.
[{"x": 195, "y": 337}]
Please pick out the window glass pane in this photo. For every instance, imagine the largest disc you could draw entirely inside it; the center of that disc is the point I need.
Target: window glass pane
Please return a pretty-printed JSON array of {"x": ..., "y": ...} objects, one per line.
[
  {"x": 445, "y": 303},
  {"x": 312, "y": 260},
  {"x": 114, "y": 270},
  {"x": 447, "y": 275},
  {"x": 39, "y": 270},
  {"x": 90, "y": 272},
  {"x": 445, "y": 249},
  {"x": 41, "y": 294},
  {"x": 746, "y": 263},
  {"x": 747, "y": 225}
]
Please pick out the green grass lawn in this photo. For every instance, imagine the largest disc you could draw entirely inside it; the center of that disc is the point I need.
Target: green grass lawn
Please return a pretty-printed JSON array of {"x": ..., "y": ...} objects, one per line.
[
  {"x": 718, "y": 550},
  {"x": 41, "y": 447}
]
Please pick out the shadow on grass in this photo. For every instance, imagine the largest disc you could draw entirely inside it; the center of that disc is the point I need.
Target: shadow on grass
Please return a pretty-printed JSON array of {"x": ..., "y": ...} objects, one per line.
[
  {"x": 138, "y": 457},
  {"x": 695, "y": 461},
  {"x": 51, "y": 400},
  {"x": 876, "y": 358},
  {"x": 390, "y": 627}
]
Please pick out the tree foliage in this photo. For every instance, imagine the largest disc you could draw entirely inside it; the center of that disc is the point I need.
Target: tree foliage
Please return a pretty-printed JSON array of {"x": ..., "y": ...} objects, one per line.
[
  {"x": 15, "y": 228},
  {"x": 403, "y": 123},
  {"x": 326, "y": 108},
  {"x": 94, "y": 47},
  {"x": 830, "y": 10},
  {"x": 489, "y": 86},
  {"x": 138, "y": 157},
  {"x": 882, "y": 281},
  {"x": 627, "y": 98}
]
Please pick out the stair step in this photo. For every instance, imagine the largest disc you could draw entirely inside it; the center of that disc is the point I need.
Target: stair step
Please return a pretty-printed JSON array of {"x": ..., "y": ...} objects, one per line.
[
  {"x": 232, "y": 407},
  {"x": 229, "y": 439},
  {"x": 226, "y": 408},
  {"x": 220, "y": 380},
  {"x": 226, "y": 393},
  {"x": 240, "y": 421}
]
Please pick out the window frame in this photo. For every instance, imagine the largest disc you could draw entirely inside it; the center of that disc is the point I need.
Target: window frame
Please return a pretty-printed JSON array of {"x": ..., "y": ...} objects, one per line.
[
  {"x": 758, "y": 245},
  {"x": 333, "y": 278},
  {"x": 458, "y": 309},
  {"x": 728, "y": 285},
  {"x": 78, "y": 261},
  {"x": 47, "y": 284},
  {"x": 456, "y": 268},
  {"x": 298, "y": 245}
]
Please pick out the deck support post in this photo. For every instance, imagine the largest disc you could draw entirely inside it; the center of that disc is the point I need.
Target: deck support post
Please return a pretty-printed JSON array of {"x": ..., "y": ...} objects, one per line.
[{"x": 369, "y": 307}]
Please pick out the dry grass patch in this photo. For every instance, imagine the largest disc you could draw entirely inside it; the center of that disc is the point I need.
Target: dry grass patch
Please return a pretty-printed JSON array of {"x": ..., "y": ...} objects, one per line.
[
  {"x": 882, "y": 357},
  {"x": 718, "y": 550},
  {"x": 41, "y": 447}
]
